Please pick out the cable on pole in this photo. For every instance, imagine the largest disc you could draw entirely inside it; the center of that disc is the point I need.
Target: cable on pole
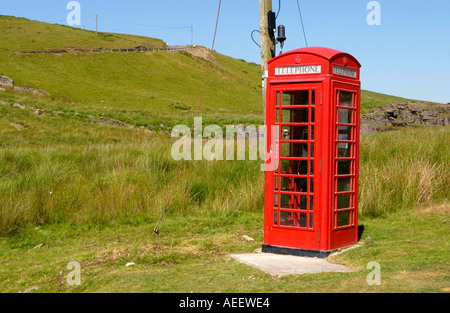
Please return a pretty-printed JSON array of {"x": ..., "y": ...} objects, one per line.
[
  {"x": 279, "y": 8},
  {"x": 254, "y": 38},
  {"x": 157, "y": 229}
]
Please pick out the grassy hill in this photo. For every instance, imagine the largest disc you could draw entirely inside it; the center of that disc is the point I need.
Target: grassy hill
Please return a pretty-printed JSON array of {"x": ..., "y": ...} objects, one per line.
[
  {"x": 20, "y": 34},
  {"x": 145, "y": 89},
  {"x": 167, "y": 85}
]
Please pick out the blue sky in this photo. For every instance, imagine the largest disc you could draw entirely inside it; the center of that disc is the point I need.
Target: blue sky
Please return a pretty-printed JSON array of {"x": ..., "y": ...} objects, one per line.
[{"x": 407, "y": 55}]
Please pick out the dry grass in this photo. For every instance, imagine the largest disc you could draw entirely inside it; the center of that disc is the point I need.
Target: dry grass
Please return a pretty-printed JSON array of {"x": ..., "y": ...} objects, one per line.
[
  {"x": 402, "y": 169},
  {"x": 129, "y": 183}
]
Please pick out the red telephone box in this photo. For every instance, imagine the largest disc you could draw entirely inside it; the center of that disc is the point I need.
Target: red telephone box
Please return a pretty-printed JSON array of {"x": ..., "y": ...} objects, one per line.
[{"x": 311, "y": 197}]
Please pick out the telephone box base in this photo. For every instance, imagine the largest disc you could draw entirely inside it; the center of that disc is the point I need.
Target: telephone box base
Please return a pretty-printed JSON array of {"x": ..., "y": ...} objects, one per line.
[{"x": 296, "y": 252}]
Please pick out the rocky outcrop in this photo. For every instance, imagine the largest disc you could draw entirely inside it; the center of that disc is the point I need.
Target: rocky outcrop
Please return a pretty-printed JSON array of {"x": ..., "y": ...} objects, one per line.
[
  {"x": 6, "y": 81},
  {"x": 31, "y": 90},
  {"x": 411, "y": 114},
  {"x": 101, "y": 120}
]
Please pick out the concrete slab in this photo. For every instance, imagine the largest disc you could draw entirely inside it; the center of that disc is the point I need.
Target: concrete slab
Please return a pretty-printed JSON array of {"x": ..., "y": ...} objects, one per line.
[{"x": 281, "y": 265}]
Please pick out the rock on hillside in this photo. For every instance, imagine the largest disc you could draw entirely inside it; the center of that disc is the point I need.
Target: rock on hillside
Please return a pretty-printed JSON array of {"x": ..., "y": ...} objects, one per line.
[
  {"x": 409, "y": 114},
  {"x": 6, "y": 81}
]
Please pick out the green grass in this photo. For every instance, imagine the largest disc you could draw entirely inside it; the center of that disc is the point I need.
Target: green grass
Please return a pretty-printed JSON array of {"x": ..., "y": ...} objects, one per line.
[
  {"x": 403, "y": 168},
  {"x": 117, "y": 173},
  {"x": 92, "y": 193},
  {"x": 138, "y": 87},
  {"x": 20, "y": 34},
  {"x": 193, "y": 256},
  {"x": 133, "y": 81},
  {"x": 65, "y": 167}
]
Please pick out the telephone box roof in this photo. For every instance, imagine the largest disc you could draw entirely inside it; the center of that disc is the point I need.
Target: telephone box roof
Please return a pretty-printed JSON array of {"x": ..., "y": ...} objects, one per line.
[{"x": 326, "y": 53}]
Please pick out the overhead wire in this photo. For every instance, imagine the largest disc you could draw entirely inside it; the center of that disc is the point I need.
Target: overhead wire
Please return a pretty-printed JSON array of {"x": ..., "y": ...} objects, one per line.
[
  {"x": 301, "y": 20},
  {"x": 165, "y": 210},
  {"x": 148, "y": 27},
  {"x": 139, "y": 30},
  {"x": 60, "y": 21},
  {"x": 143, "y": 25}
]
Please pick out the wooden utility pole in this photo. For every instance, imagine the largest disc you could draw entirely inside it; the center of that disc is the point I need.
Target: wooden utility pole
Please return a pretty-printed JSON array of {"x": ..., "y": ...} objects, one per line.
[{"x": 266, "y": 44}]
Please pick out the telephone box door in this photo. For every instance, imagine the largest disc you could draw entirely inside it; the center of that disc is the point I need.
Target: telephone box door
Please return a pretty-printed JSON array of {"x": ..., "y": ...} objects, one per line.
[
  {"x": 344, "y": 215},
  {"x": 294, "y": 204}
]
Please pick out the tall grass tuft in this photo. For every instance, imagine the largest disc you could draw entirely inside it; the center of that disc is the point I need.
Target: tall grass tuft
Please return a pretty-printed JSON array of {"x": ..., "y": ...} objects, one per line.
[
  {"x": 120, "y": 183},
  {"x": 401, "y": 169},
  {"x": 129, "y": 183}
]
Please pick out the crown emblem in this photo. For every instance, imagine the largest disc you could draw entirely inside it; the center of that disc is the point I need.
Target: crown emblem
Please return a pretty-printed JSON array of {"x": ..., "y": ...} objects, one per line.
[{"x": 345, "y": 61}]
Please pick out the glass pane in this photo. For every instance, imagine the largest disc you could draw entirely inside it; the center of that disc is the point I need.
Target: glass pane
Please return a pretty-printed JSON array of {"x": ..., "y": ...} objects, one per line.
[
  {"x": 278, "y": 98},
  {"x": 343, "y": 201},
  {"x": 303, "y": 203},
  {"x": 294, "y": 150},
  {"x": 312, "y": 132},
  {"x": 293, "y": 184},
  {"x": 293, "y": 202},
  {"x": 286, "y": 98},
  {"x": 311, "y": 203},
  {"x": 303, "y": 184},
  {"x": 295, "y": 132},
  {"x": 313, "y": 115},
  {"x": 345, "y": 133},
  {"x": 294, "y": 219},
  {"x": 289, "y": 202},
  {"x": 311, "y": 220},
  {"x": 344, "y": 150},
  {"x": 295, "y": 115},
  {"x": 291, "y": 219},
  {"x": 345, "y": 99},
  {"x": 311, "y": 185},
  {"x": 302, "y": 220},
  {"x": 344, "y": 167},
  {"x": 345, "y": 116},
  {"x": 300, "y": 97},
  {"x": 343, "y": 184},
  {"x": 303, "y": 166},
  {"x": 277, "y": 115},
  {"x": 285, "y": 219},
  {"x": 295, "y": 167},
  {"x": 312, "y": 168},
  {"x": 275, "y": 217},
  {"x": 343, "y": 218},
  {"x": 275, "y": 201},
  {"x": 312, "y": 151},
  {"x": 276, "y": 184},
  {"x": 313, "y": 97}
]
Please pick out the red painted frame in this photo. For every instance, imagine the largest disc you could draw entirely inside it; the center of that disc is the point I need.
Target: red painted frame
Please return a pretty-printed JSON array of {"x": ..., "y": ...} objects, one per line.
[{"x": 327, "y": 83}]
